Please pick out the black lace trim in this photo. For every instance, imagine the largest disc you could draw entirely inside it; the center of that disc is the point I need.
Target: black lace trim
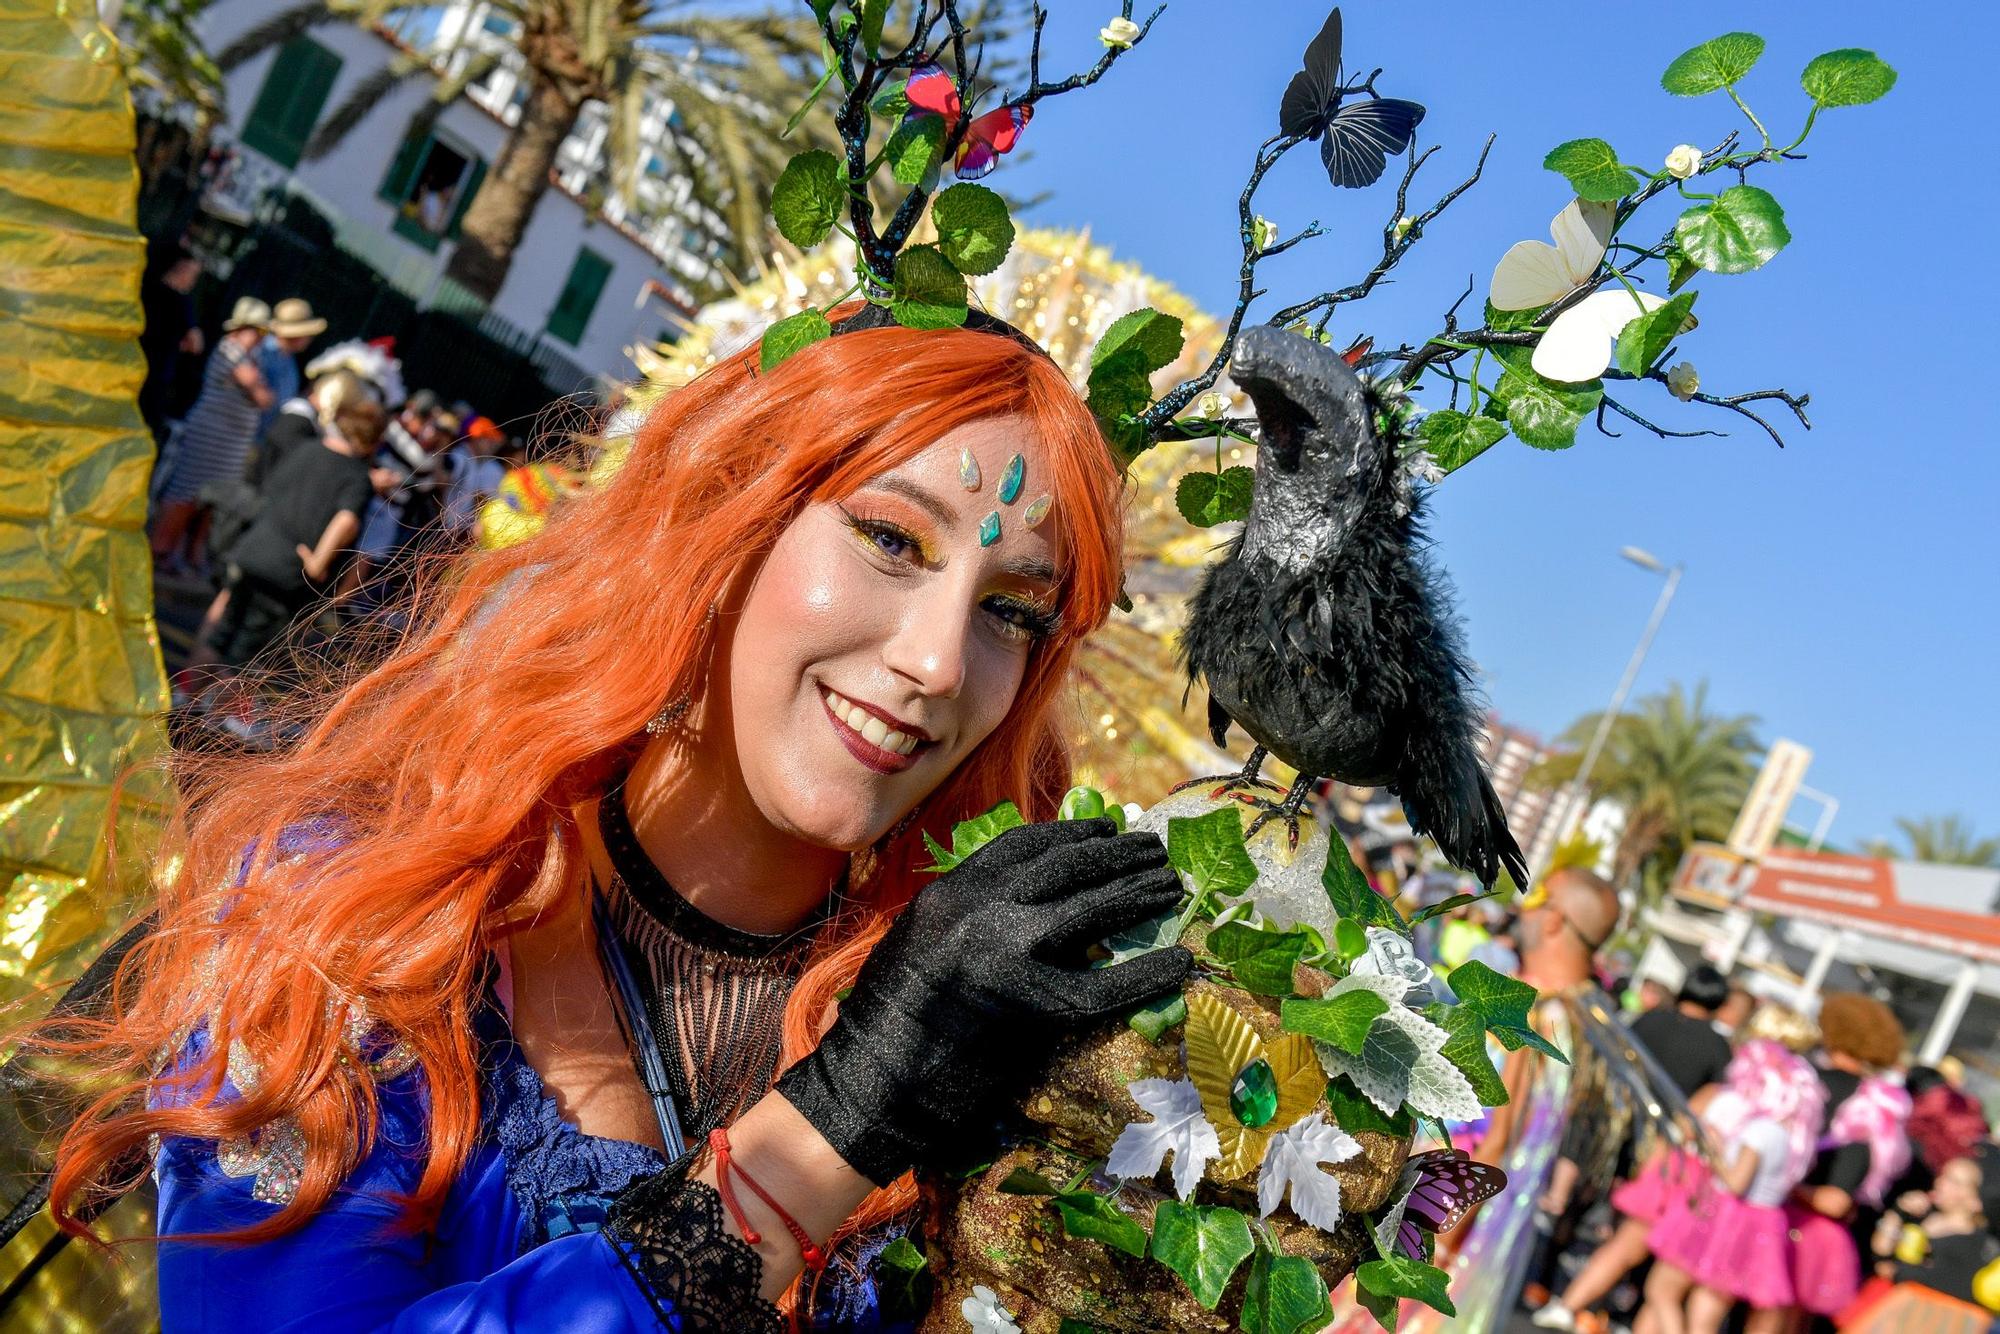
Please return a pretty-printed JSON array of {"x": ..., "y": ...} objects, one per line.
[{"x": 669, "y": 1231}]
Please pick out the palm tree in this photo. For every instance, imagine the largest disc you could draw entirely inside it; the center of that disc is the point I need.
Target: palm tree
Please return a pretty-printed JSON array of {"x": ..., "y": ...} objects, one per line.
[
  {"x": 162, "y": 52},
  {"x": 1947, "y": 842},
  {"x": 1680, "y": 771},
  {"x": 734, "y": 79}
]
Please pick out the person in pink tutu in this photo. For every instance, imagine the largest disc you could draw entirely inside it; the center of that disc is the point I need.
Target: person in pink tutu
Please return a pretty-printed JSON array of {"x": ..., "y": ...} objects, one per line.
[{"x": 1730, "y": 1242}]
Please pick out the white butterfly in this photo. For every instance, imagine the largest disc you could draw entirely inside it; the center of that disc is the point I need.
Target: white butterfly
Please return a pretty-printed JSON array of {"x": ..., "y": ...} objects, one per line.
[
  {"x": 1532, "y": 275},
  {"x": 1579, "y": 343}
]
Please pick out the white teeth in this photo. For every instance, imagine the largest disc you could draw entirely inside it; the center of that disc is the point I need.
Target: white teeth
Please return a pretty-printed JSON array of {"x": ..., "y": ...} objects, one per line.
[
  {"x": 873, "y": 729},
  {"x": 896, "y": 741}
]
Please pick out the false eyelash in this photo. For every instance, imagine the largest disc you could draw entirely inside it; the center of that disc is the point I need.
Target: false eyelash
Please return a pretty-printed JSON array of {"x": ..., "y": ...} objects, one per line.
[
  {"x": 868, "y": 528},
  {"x": 1036, "y": 622}
]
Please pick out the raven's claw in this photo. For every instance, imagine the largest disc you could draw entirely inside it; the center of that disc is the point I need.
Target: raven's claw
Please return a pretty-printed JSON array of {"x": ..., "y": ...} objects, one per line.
[
  {"x": 1286, "y": 810},
  {"x": 1233, "y": 784}
]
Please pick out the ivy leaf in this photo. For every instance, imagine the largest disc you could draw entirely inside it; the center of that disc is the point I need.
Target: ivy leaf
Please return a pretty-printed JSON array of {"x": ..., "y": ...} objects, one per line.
[
  {"x": 1179, "y": 1126},
  {"x": 1261, "y": 961},
  {"x": 791, "y": 334},
  {"x": 969, "y": 836},
  {"x": 807, "y": 197},
  {"x": 902, "y": 1280},
  {"x": 1591, "y": 167},
  {"x": 1645, "y": 339},
  {"x": 1089, "y": 1215},
  {"x": 1144, "y": 938},
  {"x": 1144, "y": 338},
  {"x": 1453, "y": 439},
  {"x": 1503, "y": 1005},
  {"x": 928, "y": 293},
  {"x": 873, "y": 12},
  {"x": 1284, "y": 1294},
  {"x": 1350, "y": 893},
  {"x": 1203, "y": 1245},
  {"x": 973, "y": 227},
  {"x": 1206, "y": 499},
  {"x": 1679, "y": 268},
  {"x": 1465, "y": 1047},
  {"x": 1739, "y": 231},
  {"x": 1209, "y": 850},
  {"x": 913, "y": 146},
  {"x": 1543, "y": 413},
  {"x": 1385, "y": 1309},
  {"x": 1849, "y": 77},
  {"x": 1342, "y": 1019},
  {"x": 1402, "y": 1062},
  {"x": 1399, "y": 1276},
  {"x": 1717, "y": 63}
]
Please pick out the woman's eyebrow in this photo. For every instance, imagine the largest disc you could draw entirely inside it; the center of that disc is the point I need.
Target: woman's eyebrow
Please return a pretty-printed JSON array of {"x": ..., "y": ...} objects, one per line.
[
  {"x": 921, "y": 496},
  {"x": 1031, "y": 567}
]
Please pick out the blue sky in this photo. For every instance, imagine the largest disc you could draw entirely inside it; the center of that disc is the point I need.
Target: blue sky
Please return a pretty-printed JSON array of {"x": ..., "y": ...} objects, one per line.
[{"x": 1842, "y": 589}]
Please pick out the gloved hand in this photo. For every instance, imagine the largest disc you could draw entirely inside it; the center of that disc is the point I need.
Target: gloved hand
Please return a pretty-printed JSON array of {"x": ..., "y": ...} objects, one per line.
[{"x": 973, "y": 985}]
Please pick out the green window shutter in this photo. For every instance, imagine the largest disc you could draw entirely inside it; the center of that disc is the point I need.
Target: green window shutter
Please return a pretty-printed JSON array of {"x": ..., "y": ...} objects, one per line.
[
  {"x": 403, "y": 169},
  {"x": 473, "y": 180},
  {"x": 579, "y": 296},
  {"x": 289, "y": 103}
]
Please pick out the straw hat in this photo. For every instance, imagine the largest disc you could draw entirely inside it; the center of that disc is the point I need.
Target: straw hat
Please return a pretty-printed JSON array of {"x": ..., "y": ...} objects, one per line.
[
  {"x": 248, "y": 313},
  {"x": 293, "y": 318}
]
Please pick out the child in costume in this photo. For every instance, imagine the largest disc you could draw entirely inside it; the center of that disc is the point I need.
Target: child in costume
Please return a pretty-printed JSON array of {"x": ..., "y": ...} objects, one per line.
[{"x": 1730, "y": 1242}]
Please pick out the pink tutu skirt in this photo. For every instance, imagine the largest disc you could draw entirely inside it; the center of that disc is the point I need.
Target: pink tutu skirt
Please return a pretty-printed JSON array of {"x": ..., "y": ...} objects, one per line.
[
  {"x": 1734, "y": 1247},
  {"x": 1826, "y": 1267},
  {"x": 1668, "y": 1176}
]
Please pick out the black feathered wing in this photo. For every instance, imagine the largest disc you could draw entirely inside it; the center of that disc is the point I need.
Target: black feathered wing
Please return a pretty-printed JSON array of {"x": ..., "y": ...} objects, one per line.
[
  {"x": 1362, "y": 136},
  {"x": 1311, "y": 91}
]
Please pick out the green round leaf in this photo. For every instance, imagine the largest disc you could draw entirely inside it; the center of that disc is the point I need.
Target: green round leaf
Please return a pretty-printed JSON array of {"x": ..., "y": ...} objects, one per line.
[
  {"x": 1203, "y": 1245},
  {"x": 1738, "y": 232},
  {"x": 974, "y": 230},
  {"x": 1644, "y": 340},
  {"x": 1591, "y": 167},
  {"x": 1284, "y": 1294},
  {"x": 789, "y": 335},
  {"x": 1543, "y": 413},
  {"x": 1399, "y": 1276},
  {"x": 913, "y": 148},
  {"x": 1453, "y": 439},
  {"x": 1712, "y": 65},
  {"x": 1206, "y": 499},
  {"x": 1847, "y": 78},
  {"x": 1147, "y": 337},
  {"x": 1679, "y": 269},
  {"x": 929, "y": 293},
  {"x": 1509, "y": 321},
  {"x": 808, "y": 197}
]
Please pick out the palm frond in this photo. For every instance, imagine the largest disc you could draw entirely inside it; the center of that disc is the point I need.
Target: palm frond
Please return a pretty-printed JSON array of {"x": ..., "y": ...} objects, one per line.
[{"x": 275, "y": 31}]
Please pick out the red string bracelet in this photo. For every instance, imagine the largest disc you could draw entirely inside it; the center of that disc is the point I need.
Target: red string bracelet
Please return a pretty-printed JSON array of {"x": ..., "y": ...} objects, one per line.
[{"x": 718, "y": 1141}]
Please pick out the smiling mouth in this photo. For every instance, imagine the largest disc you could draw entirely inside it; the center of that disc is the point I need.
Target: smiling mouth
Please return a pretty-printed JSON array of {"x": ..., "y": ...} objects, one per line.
[{"x": 869, "y": 739}]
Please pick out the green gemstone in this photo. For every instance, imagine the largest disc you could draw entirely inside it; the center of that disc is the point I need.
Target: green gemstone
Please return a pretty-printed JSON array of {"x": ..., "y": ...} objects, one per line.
[
  {"x": 1010, "y": 480},
  {"x": 989, "y": 528},
  {"x": 1254, "y": 1095}
]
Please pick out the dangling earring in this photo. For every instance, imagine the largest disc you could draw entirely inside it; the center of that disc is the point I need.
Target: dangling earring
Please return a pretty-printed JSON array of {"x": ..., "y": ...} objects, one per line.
[{"x": 675, "y": 709}]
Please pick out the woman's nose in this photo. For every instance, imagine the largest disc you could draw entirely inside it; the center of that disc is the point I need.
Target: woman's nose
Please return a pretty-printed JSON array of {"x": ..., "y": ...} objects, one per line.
[{"x": 930, "y": 646}]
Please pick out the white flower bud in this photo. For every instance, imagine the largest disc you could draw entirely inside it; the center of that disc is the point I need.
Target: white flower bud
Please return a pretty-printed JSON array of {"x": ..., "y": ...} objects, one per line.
[
  {"x": 1118, "y": 34},
  {"x": 1262, "y": 232},
  {"x": 1684, "y": 162},
  {"x": 1211, "y": 405},
  {"x": 1683, "y": 381}
]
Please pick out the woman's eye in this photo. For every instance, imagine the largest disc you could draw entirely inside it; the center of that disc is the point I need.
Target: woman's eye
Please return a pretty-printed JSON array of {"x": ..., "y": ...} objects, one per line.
[
  {"x": 1021, "y": 620},
  {"x": 886, "y": 538}
]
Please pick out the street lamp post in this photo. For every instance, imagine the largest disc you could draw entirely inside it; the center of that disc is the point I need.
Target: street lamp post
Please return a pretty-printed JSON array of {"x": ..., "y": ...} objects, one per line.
[{"x": 1573, "y": 793}]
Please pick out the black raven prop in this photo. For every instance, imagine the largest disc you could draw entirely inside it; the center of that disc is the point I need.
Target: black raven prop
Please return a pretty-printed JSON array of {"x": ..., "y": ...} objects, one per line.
[{"x": 1323, "y": 632}]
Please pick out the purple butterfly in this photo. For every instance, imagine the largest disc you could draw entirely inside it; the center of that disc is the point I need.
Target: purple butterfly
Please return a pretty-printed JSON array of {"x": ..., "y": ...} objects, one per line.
[{"x": 1438, "y": 1190}]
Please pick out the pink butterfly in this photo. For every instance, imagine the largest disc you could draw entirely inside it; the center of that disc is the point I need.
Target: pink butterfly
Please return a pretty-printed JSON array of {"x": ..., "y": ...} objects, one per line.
[
  {"x": 1440, "y": 1188},
  {"x": 932, "y": 92}
]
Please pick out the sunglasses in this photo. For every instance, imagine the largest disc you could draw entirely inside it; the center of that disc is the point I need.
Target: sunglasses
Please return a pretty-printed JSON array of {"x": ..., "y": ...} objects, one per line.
[{"x": 1538, "y": 898}]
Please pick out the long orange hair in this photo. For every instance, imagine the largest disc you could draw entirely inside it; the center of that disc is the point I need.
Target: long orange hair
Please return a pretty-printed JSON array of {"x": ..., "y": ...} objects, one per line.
[{"x": 446, "y": 778}]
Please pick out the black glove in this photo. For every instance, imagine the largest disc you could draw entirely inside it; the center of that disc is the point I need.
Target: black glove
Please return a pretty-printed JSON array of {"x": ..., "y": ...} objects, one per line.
[{"x": 973, "y": 985}]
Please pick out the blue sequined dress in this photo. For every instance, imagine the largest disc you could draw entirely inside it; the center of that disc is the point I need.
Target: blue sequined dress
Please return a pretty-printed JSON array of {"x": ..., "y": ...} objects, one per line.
[{"x": 519, "y": 1246}]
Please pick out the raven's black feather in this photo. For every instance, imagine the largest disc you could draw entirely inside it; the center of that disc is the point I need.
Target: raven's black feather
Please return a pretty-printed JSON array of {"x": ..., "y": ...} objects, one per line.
[{"x": 1323, "y": 630}]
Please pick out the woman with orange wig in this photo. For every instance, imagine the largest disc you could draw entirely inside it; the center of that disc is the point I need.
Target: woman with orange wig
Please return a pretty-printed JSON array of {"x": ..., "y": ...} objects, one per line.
[{"x": 573, "y": 970}]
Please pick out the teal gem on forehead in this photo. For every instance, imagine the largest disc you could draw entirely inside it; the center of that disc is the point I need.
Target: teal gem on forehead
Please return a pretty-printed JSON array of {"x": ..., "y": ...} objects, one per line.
[
  {"x": 1254, "y": 1095},
  {"x": 1010, "y": 481},
  {"x": 989, "y": 528}
]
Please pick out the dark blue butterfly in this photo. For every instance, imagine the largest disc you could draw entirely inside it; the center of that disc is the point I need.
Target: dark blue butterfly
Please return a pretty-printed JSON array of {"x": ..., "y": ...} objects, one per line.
[
  {"x": 1357, "y": 139},
  {"x": 1439, "y": 1189}
]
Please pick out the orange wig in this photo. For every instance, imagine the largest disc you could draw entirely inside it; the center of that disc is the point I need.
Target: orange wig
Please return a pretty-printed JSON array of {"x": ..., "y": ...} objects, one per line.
[{"x": 448, "y": 776}]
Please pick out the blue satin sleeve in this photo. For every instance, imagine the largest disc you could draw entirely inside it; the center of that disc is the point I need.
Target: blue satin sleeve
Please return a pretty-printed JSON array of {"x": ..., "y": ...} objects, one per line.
[{"x": 352, "y": 1268}]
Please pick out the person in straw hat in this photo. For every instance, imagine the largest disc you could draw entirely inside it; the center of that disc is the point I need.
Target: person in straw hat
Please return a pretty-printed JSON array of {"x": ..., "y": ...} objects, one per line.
[
  {"x": 216, "y": 435},
  {"x": 293, "y": 327}
]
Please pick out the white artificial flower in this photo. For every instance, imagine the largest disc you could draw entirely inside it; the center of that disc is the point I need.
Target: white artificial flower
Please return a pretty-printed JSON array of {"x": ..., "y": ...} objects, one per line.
[
  {"x": 1424, "y": 468},
  {"x": 1578, "y": 345},
  {"x": 1292, "y": 1160},
  {"x": 1683, "y": 162},
  {"x": 1403, "y": 225},
  {"x": 1683, "y": 381},
  {"x": 1391, "y": 955},
  {"x": 984, "y": 1313},
  {"x": 1262, "y": 232},
  {"x": 1211, "y": 405},
  {"x": 1118, "y": 34},
  {"x": 1177, "y": 1127}
]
